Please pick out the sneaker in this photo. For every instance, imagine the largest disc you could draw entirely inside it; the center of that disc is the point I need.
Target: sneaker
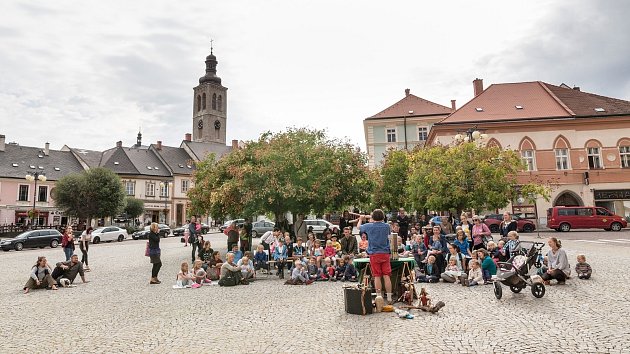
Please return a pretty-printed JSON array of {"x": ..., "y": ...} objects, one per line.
[{"x": 379, "y": 302}]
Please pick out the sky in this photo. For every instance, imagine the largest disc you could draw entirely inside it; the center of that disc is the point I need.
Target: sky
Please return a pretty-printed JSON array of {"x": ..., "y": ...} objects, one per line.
[{"x": 89, "y": 73}]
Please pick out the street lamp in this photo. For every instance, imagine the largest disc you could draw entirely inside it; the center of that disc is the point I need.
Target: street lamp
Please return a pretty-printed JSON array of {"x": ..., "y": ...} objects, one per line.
[
  {"x": 34, "y": 177},
  {"x": 165, "y": 186},
  {"x": 471, "y": 134}
]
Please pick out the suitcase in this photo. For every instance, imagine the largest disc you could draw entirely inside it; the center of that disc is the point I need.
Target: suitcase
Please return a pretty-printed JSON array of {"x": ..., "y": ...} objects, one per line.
[{"x": 358, "y": 301}]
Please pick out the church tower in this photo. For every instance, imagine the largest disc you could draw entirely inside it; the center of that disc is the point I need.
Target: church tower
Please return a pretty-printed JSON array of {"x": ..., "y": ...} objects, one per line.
[{"x": 210, "y": 106}]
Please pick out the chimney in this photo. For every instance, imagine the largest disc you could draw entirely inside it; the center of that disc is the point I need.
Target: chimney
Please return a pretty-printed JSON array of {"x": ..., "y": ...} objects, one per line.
[
  {"x": 188, "y": 137},
  {"x": 2, "y": 138},
  {"x": 46, "y": 149},
  {"x": 119, "y": 143},
  {"x": 159, "y": 145},
  {"x": 453, "y": 106},
  {"x": 576, "y": 88},
  {"x": 478, "y": 86},
  {"x": 407, "y": 92},
  {"x": 234, "y": 144}
]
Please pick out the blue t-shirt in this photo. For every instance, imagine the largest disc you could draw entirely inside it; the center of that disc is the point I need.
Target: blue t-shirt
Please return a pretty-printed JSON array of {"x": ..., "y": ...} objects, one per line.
[{"x": 378, "y": 236}]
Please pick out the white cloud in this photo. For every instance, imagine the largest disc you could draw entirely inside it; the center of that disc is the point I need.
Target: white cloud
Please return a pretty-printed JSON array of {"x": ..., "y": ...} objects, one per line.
[{"x": 88, "y": 74}]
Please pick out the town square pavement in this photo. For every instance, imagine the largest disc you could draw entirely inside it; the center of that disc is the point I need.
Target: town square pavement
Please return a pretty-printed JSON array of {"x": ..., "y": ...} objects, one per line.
[{"x": 118, "y": 311}]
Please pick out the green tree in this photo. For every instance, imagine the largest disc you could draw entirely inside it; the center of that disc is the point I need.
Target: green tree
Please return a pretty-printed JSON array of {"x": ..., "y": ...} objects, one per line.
[
  {"x": 133, "y": 207},
  {"x": 465, "y": 176},
  {"x": 299, "y": 170},
  {"x": 392, "y": 181},
  {"x": 94, "y": 193}
]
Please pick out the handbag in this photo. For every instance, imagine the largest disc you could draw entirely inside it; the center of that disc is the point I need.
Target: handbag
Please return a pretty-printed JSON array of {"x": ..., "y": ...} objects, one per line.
[{"x": 146, "y": 250}]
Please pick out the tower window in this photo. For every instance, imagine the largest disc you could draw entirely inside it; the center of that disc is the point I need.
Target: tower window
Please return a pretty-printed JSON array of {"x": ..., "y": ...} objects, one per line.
[
  {"x": 220, "y": 103},
  {"x": 214, "y": 101},
  {"x": 203, "y": 101},
  {"x": 594, "y": 158},
  {"x": 198, "y": 103}
]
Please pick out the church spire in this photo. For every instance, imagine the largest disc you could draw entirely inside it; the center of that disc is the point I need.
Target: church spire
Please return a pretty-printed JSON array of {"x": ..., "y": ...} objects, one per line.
[{"x": 211, "y": 68}]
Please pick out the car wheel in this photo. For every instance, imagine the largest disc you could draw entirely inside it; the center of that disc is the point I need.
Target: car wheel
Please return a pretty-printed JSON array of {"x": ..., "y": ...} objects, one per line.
[
  {"x": 528, "y": 228},
  {"x": 494, "y": 229},
  {"x": 19, "y": 246},
  {"x": 616, "y": 226},
  {"x": 564, "y": 227},
  {"x": 96, "y": 240},
  {"x": 54, "y": 244},
  {"x": 254, "y": 234},
  {"x": 5, "y": 250},
  {"x": 121, "y": 238}
]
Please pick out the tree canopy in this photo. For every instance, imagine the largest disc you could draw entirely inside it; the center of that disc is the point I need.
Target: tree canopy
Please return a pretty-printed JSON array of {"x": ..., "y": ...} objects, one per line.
[
  {"x": 298, "y": 170},
  {"x": 133, "y": 207},
  {"x": 391, "y": 182},
  {"x": 94, "y": 193}
]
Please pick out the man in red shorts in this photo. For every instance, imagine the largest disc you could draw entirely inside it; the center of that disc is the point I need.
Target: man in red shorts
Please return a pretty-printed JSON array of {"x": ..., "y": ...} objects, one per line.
[{"x": 379, "y": 251}]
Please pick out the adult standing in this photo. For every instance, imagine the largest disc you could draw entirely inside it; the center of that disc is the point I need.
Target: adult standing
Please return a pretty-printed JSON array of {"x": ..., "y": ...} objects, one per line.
[
  {"x": 299, "y": 227},
  {"x": 192, "y": 238},
  {"x": 67, "y": 242},
  {"x": 507, "y": 225},
  {"x": 248, "y": 230},
  {"x": 379, "y": 250},
  {"x": 232, "y": 233},
  {"x": 465, "y": 224},
  {"x": 155, "y": 252},
  {"x": 344, "y": 221},
  {"x": 403, "y": 224},
  {"x": 84, "y": 245},
  {"x": 479, "y": 232},
  {"x": 557, "y": 263},
  {"x": 270, "y": 238},
  {"x": 348, "y": 242}
]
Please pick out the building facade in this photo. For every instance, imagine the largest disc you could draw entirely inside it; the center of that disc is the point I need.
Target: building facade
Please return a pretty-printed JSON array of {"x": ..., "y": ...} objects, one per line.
[
  {"x": 578, "y": 142},
  {"x": 403, "y": 125}
]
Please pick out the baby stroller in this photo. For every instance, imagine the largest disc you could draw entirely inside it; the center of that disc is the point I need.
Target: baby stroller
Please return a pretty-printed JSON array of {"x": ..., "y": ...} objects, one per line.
[{"x": 515, "y": 273}]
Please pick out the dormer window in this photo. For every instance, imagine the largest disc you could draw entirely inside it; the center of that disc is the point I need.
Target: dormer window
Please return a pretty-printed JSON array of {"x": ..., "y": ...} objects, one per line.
[
  {"x": 479, "y": 109},
  {"x": 599, "y": 109},
  {"x": 518, "y": 107}
]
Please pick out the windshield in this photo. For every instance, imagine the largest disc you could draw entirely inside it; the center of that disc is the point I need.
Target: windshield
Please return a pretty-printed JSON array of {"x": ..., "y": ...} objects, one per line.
[{"x": 23, "y": 234}]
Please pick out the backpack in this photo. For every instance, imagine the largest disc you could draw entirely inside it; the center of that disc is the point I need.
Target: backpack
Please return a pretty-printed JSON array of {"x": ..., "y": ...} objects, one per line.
[{"x": 228, "y": 280}]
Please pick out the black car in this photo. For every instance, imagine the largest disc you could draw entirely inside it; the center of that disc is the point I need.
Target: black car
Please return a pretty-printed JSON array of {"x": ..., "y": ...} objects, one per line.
[
  {"x": 165, "y": 231},
  {"x": 32, "y": 239}
]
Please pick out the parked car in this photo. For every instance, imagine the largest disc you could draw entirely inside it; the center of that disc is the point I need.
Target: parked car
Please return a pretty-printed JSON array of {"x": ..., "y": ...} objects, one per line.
[
  {"x": 32, "y": 239},
  {"x": 180, "y": 230},
  {"x": 165, "y": 231},
  {"x": 239, "y": 223},
  {"x": 319, "y": 225},
  {"x": 567, "y": 218},
  {"x": 108, "y": 234},
  {"x": 522, "y": 225},
  {"x": 260, "y": 227}
]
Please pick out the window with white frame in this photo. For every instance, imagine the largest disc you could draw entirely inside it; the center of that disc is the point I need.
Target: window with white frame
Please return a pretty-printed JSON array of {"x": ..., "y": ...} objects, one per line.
[
  {"x": 150, "y": 189},
  {"x": 624, "y": 153},
  {"x": 422, "y": 133},
  {"x": 391, "y": 135},
  {"x": 130, "y": 187},
  {"x": 23, "y": 193},
  {"x": 42, "y": 194},
  {"x": 562, "y": 159},
  {"x": 594, "y": 158},
  {"x": 528, "y": 159},
  {"x": 163, "y": 189},
  {"x": 185, "y": 185}
]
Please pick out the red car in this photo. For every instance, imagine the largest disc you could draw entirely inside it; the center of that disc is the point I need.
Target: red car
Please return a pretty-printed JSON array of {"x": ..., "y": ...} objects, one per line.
[
  {"x": 522, "y": 225},
  {"x": 567, "y": 218}
]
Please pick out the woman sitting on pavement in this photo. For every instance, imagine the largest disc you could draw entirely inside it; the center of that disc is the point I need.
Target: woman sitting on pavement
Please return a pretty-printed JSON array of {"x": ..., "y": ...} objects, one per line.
[
  {"x": 231, "y": 272},
  {"x": 205, "y": 254},
  {"x": 488, "y": 267},
  {"x": 41, "y": 277},
  {"x": 460, "y": 259},
  {"x": 213, "y": 267},
  {"x": 557, "y": 263}
]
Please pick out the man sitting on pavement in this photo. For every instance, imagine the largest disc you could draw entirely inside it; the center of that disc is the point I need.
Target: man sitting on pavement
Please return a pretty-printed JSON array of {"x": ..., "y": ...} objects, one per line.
[
  {"x": 65, "y": 272},
  {"x": 348, "y": 242}
]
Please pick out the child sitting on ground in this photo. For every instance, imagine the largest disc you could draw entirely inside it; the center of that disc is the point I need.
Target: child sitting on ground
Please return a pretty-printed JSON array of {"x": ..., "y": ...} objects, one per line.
[
  {"x": 184, "y": 278},
  {"x": 502, "y": 254},
  {"x": 363, "y": 244},
  {"x": 336, "y": 245},
  {"x": 312, "y": 269},
  {"x": 261, "y": 259},
  {"x": 328, "y": 271},
  {"x": 330, "y": 251},
  {"x": 351, "y": 272},
  {"x": 237, "y": 253},
  {"x": 299, "y": 275},
  {"x": 475, "y": 276},
  {"x": 582, "y": 268},
  {"x": 318, "y": 252},
  {"x": 310, "y": 243},
  {"x": 452, "y": 272},
  {"x": 340, "y": 270},
  {"x": 431, "y": 271},
  {"x": 199, "y": 273},
  {"x": 247, "y": 266}
]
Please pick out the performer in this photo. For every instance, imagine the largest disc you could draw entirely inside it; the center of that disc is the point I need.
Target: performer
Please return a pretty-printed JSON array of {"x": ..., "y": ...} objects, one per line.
[{"x": 378, "y": 249}]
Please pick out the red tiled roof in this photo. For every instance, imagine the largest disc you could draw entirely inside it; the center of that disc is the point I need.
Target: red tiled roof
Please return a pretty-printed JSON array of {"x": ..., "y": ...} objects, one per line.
[
  {"x": 538, "y": 100},
  {"x": 419, "y": 106}
]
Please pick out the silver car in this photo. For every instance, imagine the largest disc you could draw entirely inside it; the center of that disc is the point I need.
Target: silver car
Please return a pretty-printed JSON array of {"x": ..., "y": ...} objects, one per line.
[{"x": 260, "y": 227}]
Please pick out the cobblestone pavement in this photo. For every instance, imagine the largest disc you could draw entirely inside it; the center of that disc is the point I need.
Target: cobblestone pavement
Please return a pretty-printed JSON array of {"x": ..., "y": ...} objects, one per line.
[{"x": 118, "y": 311}]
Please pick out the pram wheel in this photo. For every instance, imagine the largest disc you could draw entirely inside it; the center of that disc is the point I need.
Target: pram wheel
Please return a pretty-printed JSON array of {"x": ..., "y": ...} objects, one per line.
[
  {"x": 538, "y": 290},
  {"x": 498, "y": 291},
  {"x": 515, "y": 289}
]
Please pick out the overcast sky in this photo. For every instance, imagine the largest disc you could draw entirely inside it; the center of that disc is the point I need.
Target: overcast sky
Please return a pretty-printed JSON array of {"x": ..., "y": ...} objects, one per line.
[{"x": 90, "y": 73}]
